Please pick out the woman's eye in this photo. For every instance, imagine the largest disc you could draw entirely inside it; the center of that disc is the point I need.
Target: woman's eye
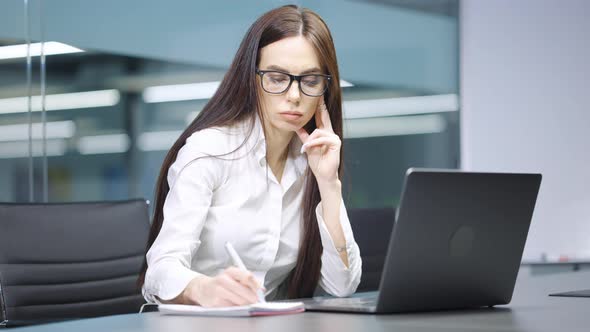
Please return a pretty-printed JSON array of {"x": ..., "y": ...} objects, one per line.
[
  {"x": 311, "y": 82},
  {"x": 277, "y": 79}
]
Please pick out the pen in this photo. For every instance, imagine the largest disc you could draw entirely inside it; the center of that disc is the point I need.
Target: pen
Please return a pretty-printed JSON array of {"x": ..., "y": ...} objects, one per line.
[{"x": 238, "y": 262}]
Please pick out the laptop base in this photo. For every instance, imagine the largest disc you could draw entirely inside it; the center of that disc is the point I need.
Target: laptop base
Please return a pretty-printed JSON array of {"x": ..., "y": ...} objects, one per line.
[{"x": 367, "y": 304}]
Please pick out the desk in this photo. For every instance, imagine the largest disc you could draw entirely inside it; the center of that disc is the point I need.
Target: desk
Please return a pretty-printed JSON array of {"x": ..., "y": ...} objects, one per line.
[{"x": 531, "y": 310}]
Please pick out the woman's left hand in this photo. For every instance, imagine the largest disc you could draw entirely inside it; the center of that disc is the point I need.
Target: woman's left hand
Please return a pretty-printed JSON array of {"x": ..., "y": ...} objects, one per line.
[{"x": 322, "y": 146}]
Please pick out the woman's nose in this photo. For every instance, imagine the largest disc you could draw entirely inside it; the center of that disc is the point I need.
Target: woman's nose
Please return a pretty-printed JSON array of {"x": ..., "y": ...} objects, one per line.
[{"x": 293, "y": 94}]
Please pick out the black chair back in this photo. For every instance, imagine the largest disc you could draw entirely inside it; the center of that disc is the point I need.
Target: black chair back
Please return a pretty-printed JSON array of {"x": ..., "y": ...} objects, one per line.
[
  {"x": 372, "y": 231},
  {"x": 71, "y": 260}
]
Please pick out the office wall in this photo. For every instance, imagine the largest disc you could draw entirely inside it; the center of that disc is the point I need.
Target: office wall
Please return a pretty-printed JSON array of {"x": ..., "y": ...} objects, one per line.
[{"x": 525, "y": 75}]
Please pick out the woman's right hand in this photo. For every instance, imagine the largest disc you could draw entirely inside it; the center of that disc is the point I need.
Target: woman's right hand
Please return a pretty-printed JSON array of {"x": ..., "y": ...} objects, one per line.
[{"x": 232, "y": 287}]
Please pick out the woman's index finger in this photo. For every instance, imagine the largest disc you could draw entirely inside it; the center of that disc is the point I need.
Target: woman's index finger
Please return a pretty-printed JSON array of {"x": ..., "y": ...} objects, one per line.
[
  {"x": 319, "y": 123},
  {"x": 303, "y": 135}
]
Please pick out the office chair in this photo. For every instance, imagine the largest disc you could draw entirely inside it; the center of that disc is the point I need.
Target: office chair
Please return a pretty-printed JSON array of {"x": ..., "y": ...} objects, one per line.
[
  {"x": 71, "y": 260},
  {"x": 372, "y": 231}
]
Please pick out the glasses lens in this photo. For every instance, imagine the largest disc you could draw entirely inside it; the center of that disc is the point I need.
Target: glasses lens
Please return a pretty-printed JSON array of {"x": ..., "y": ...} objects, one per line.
[
  {"x": 314, "y": 85},
  {"x": 274, "y": 82}
]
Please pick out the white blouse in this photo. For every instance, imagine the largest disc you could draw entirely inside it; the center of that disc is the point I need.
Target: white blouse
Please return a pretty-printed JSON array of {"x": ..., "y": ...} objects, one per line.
[{"x": 237, "y": 198}]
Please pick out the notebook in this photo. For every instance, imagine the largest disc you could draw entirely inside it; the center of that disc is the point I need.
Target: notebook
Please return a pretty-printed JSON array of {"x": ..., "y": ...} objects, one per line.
[{"x": 257, "y": 309}]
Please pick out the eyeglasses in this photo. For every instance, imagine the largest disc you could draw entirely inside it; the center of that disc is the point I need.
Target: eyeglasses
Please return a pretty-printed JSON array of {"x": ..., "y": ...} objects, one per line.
[{"x": 277, "y": 82}]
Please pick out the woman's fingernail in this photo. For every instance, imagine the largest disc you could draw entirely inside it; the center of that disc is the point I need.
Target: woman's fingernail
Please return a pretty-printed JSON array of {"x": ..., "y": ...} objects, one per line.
[{"x": 303, "y": 147}]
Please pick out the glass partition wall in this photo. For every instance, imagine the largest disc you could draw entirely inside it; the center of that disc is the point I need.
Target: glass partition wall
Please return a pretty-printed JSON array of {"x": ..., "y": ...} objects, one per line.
[{"x": 108, "y": 86}]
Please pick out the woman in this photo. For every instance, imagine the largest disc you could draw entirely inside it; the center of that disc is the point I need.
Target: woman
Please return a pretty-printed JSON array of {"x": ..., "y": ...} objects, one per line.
[{"x": 260, "y": 168}]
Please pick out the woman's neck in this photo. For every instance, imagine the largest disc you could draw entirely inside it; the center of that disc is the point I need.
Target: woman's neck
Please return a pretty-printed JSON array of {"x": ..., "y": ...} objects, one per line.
[{"x": 277, "y": 149}]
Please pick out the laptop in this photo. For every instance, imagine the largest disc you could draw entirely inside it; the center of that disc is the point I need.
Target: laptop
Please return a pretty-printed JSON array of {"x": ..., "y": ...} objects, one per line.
[{"x": 457, "y": 243}]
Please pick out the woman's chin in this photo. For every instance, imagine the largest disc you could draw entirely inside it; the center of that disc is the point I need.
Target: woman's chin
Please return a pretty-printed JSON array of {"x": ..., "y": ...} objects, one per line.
[
  {"x": 283, "y": 124},
  {"x": 288, "y": 125}
]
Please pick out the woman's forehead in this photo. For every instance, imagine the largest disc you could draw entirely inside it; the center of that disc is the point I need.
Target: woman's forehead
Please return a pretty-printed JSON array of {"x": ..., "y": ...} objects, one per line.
[{"x": 293, "y": 54}]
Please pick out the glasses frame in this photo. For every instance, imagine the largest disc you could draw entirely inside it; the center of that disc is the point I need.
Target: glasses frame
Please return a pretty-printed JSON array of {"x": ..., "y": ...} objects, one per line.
[{"x": 292, "y": 78}]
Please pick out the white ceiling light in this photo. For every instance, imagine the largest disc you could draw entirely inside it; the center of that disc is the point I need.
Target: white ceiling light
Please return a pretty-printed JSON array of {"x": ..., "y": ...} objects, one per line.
[
  {"x": 157, "y": 140},
  {"x": 394, "y": 126},
  {"x": 345, "y": 84},
  {"x": 62, "y": 101},
  {"x": 372, "y": 108},
  {"x": 100, "y": 144},
  {"x": 50, "y": 48},
  {"x": 192, "y": 91},
  {"x": 20, "y": 149},
  {"x": 20, "y": 132},
  {"x": 179, "y": 92},
  {"x": 353, "y": 128}
]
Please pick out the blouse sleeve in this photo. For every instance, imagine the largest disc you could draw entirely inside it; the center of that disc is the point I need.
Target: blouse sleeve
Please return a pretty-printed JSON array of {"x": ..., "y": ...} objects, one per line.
[
  {"x": 192, "y": 178},
  {"x": 335, "y": 277}
]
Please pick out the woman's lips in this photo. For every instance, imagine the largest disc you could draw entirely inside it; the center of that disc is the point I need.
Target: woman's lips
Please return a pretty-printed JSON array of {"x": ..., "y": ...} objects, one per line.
[{"x": 291, "y": 115}]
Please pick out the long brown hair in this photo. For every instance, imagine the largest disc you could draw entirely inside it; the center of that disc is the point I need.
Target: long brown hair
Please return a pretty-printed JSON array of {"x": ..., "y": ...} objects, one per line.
[{"x": 236, "y": 99}]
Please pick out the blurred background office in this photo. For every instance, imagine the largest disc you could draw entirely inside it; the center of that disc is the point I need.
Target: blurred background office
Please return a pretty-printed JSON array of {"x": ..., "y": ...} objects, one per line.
[{"x": 479, "y": 85}]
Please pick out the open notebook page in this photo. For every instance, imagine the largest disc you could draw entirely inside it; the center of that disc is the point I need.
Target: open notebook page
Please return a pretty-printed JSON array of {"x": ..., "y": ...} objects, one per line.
[{"x": 258, "y": 309}]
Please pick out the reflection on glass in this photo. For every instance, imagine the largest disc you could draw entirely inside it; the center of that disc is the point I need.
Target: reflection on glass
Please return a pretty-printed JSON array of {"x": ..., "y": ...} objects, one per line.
[{"x": 112, "y": 114}]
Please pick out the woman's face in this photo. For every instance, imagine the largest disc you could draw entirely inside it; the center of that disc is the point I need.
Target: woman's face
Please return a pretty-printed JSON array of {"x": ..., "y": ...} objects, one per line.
[{"x": 291, "y": 109}]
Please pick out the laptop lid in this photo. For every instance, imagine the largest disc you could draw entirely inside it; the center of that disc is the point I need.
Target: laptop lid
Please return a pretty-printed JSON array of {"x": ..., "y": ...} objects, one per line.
[{"x": 458, "y": 240}]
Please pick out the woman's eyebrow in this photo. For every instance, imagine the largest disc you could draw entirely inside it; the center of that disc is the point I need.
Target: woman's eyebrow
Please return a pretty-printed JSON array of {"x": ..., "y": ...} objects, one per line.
[{"x": 307, "y": 71}]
